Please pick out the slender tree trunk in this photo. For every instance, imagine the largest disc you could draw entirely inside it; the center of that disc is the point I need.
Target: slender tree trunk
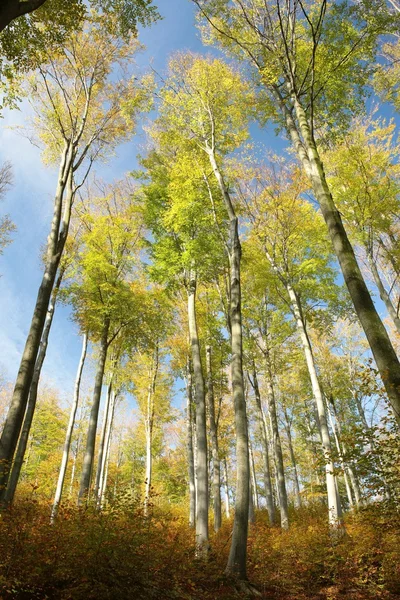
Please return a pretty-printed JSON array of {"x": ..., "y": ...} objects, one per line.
[
  {"x": 88, "y": 459},
  {"x": 280, "y": 469},
  {"x": 350, "y": 469},
  {"x": 149, "y": 429},
  {"x": 238, "y": 550},
  {"x": 201, "y": 425},
  {"x": 133, "y": 472},
  {"x": 30, "y": 409},
  {"x": 341, "y": 458},
  {"x": 100, "y": 458},
  {"x": 119, "y": 462},
  {"x": 252, "y": 514},
  {"x": 226, "y": 490},
  {"x": 56, "y": 242},
  {"x": 269, "y": 496},
  {"x": 106, "y": 457},
  {"x": 73, "y": 470},
  {"x": 253, "y": 478},
  {"x": 384, "y": 296},
  {"x": 216, "y": 485},
  {"x": 190, "y": 451},
  {"x": 103, "y": 465},
  {"x": 297, "y": 495},
  {"x": 335, "y": 509},
  {"x": 68, "y": 435},
  {"x": 385, "y": 356}
]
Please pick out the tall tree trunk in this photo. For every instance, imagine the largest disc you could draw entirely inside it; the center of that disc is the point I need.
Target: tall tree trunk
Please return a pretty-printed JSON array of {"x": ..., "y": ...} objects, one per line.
[
  {"x": 253, "y": 478},
  {"x": 30, "y": 409},
  {"x": 252, "y": 514},
  {"x": 226, "y": 490},
  {"x": 341, "y": 458},
  {"x": 88, "y": 459},
  {"x": 56, "y": 242},
  {"x": 216, "y": 485},
  {"x": 262, "y": 420},
  {"x": 385, "y": 356},
  {"x": 70, "y": 429},
  {"x": 335, "y": 509},
  {"x": 73, "y": 469},
  {"x": 297, "y": 495},
  {"x": 277, "y": 446},
  {"x": 349, "y": 465},
  {"x": 100, "y": 458},
  {"x": 106, "y": 456},
  {"x": 190, "y": 451},
  {"x": 201, "y": 425},
  {"x": 149, "y": 428},
  {"x": 238, "y": 550}
]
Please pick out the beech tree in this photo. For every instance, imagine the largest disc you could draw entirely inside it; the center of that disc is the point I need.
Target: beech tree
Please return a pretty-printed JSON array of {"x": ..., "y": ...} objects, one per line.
[
  {"x": 288, "y": 231},
  {"x": 207, "y": 102},
  {"x": 102, "y": 294},
  {"x": 182, "y": 224},
  {"x": 364, "y": 177},
  {"x": 312, "y": 63},
  {"x": 80, "y": 116},
  {"x": 265, "y": 335},
  {"x": 70, "y": 428}
]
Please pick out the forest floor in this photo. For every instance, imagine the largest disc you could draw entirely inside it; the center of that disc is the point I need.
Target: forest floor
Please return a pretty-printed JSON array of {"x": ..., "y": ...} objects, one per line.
[{"x": 120, "y": 554}]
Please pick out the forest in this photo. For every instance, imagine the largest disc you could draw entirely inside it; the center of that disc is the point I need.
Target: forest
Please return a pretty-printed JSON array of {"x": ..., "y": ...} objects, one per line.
[{"x": 200, "y": 299}]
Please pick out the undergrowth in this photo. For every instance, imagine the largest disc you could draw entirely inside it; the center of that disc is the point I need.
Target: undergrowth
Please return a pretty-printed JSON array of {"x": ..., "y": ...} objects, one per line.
[{"x": 121, "y": 554}]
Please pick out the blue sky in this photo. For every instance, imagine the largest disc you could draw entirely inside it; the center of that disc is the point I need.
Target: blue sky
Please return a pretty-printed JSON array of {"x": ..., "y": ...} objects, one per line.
[{"x": 30, "y": 201}]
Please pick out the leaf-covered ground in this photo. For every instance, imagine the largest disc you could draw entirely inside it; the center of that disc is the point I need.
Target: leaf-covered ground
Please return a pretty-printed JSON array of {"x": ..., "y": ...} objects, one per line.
[{"x": 120, "y": 554}]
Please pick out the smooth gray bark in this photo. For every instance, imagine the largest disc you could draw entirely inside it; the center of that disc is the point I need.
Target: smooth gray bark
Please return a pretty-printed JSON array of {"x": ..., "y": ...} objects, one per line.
[
  {"x": 277, "y": 446},
  {"x": 353, "y": 478},
  {"x": 297, "y": 494},
  {"x": 107, "y": 450},
  {"x": 30, "y": 409},
  {"x": 216, "y": 481},
  {"x": 262, "y": 420},
  {"x": 382, "y": 349},
  {"x": 226, "y": 490},
  {"x": 238, "y": 550},
  {"x": 73, "y": 469},
  {"x": 55, "y": 246},
  {"x": 68, "y": 435},
  {"x": 201, "y": 424},
  {"x": 88, "y": 460},
  {"x": 334, "y": 506},
  {"x": 189, "y": 441},
  {"x": 341, "y": 459},
  {"x": 253, "y": 478},
  {"x": 252, "y": 514},
  {"x": 149, "y": 425},
  {"x": 102, "y": 443}
]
